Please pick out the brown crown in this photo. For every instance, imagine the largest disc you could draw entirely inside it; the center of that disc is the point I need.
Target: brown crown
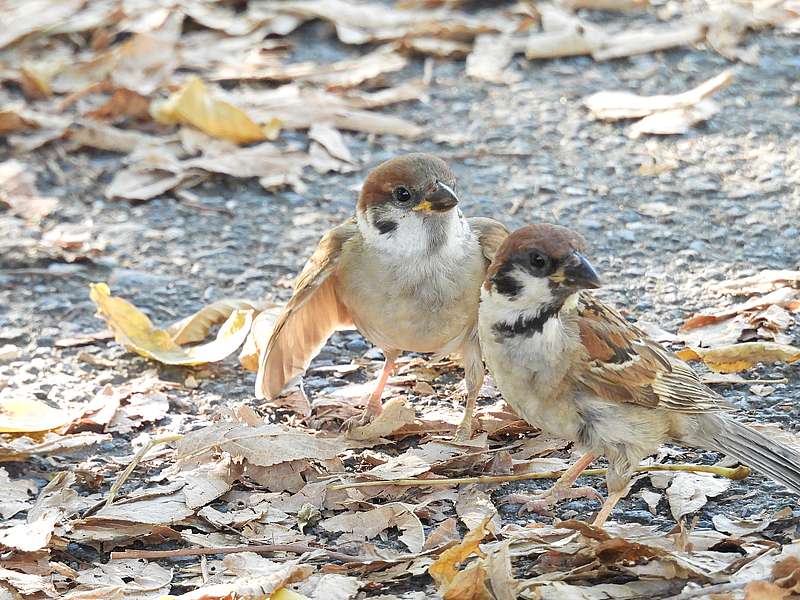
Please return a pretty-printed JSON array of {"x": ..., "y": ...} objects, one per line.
[
  {"x": 553, "y": 240},
  {"x": 414, "y": 171}
]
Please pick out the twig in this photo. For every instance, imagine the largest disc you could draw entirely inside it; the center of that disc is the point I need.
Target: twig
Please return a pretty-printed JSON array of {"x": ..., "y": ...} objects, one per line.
[
  {"x": 739, "y": 472},
  {"x": 123, "y": 477},
  {"x": 95, "y": 88},
  {"x": 191, "y": 200},
  {"x": 293, "y": 548}
]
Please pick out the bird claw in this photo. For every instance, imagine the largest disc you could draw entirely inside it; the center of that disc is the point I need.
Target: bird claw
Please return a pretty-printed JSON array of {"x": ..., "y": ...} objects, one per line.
[
  {"x": 463, "y": 433},
  {"x": 370, "y": 413},
  {"x": 542, "y": 503}
]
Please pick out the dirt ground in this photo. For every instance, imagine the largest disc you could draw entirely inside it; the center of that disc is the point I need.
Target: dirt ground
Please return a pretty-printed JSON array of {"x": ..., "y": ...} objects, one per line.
[{"x": 522, "y": 153}]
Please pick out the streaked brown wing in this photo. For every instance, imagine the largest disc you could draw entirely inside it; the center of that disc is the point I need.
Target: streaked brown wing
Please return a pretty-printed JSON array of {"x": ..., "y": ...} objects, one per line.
[
  {"x": 491, "y": 234},
  {"x": 309, "y": 318},
  {"x": 626, "y": 366}
]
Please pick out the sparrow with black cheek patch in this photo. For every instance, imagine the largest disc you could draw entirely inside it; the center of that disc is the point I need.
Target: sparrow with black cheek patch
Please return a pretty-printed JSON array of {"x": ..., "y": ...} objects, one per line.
[
  {"x": 406, "y": 272},
  {"x": 577, "y": 369}
]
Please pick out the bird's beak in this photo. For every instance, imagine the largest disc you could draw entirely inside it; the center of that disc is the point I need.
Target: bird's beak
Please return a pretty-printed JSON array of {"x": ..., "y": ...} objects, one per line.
[
  {"x": 579, "y": 273},
  {"x": 441, "y": 199}
]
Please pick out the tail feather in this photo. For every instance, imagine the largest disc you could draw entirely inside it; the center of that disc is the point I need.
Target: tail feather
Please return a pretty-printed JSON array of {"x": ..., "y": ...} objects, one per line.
[{"x": 754, "y": 449}]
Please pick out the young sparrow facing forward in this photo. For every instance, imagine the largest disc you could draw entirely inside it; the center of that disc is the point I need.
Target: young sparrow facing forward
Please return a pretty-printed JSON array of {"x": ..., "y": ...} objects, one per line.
[
  {"x": 576, "y": 368},
  {"x": 406, "y": 272}
]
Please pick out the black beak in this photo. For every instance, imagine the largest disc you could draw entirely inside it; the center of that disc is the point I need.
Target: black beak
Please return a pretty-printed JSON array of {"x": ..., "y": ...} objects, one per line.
[
  {"x": 579, "y": 273},
  {"x": 441, "y": 199}
]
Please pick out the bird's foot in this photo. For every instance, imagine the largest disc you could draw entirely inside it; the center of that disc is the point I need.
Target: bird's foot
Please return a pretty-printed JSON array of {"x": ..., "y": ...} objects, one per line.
[
  {"x": 463, "y": 433},
  {"x": 370, "y": 413},
  {"x": 543, "y": 502}
]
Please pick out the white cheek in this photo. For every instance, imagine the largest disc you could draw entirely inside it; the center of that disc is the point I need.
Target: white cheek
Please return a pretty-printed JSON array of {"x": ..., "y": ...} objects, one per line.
[
  {"x": 535, "y": 290},
  {"x": 410, "y": 238}
]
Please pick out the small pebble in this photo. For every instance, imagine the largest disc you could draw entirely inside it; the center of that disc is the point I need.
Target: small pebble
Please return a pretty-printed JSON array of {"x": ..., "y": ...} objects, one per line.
[{"x": 9, "y": 352}]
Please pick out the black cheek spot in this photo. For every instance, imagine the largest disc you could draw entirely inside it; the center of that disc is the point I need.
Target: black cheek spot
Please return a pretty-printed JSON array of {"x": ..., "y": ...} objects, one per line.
[
  {"x": 507, "y": 285},
  {"x": 386, "y": 226}
]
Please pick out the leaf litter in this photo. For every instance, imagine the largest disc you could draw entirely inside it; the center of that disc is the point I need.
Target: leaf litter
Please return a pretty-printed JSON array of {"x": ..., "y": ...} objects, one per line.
[{"x": 243, "y": 481}]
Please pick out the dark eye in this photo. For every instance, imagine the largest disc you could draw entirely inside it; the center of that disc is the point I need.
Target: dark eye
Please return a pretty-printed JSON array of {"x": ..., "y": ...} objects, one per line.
[
  {"x": 402, "y": 194},
  {"x": 539, "y": 261}
]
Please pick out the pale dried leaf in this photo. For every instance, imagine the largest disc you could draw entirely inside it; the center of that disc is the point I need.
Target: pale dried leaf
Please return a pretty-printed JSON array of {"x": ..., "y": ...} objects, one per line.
[
  {"x": 396, "y": 413},
  {"x": 18, "y": 191},
  {"x": 23, "y": 448},
  {"x": 366, "y": 525},
  {"x": 14, "y": 494},
  {"x": 626, "y": 105},
  {"x": 490, "y": 58},
  {"x": 264, "y": 446},
  {"x": 474, "y": 506},
  {"x": 689, "y": 492},
  {"x": 764, "y": 282},
  {"x": 154, "y": 506},
  {"x": 739, "y": 527},
  {"x": 675, "y": 121},
  {"x": 499, "y": 574},
  {"x": 207, "y": 482},
  {"x": 128, "y": 578},
  {"x": 330, "y": 586}
]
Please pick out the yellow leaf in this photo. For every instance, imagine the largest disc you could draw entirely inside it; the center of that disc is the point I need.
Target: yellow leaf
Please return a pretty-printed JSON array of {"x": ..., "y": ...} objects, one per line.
[
  {"x": 26, "y": 415},
  {"x": 194, "y": 328},
  {"x": 739, "y": 357},
  {"x": 688, "y": 354},
  {"x": 134, "y": 330},
  {"x": 469, "y": 584},
  {"x": 443, "y": 570},
  {"x": 193, "y": 104}
]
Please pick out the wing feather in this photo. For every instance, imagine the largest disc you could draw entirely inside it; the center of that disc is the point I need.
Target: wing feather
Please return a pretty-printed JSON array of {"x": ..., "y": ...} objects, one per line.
[
  {"x": 309, "y": 318},
  {"x": 626, "y": 366},
  {"x": 491, "y": 234}
]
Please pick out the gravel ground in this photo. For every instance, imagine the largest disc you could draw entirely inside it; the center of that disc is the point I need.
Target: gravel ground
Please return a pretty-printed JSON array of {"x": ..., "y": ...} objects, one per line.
[{"x": 730, "y": 208}]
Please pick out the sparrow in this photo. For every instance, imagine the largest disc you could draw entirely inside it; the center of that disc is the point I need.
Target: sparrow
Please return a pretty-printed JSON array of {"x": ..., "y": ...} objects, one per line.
[
  {"x": 574, "y": 367},
  {"x": 405, "y": 271}
]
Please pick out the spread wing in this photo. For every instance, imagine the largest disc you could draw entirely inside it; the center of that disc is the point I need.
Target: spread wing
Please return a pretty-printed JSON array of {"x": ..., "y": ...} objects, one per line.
[
  {"x": 626, "y": 366},
  {"x": 491, "y": 234},
  {"x": 309, "y": 318}
]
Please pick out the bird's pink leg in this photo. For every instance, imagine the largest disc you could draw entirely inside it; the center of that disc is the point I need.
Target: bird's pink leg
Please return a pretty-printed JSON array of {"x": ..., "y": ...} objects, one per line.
[
  {"x": 562, "y": 489},
  {"x": 374, "y": 404},
  {"x": 608, "y": 506}
]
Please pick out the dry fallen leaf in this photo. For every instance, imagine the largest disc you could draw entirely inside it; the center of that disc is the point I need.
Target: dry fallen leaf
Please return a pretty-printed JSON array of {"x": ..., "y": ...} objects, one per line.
[
  {"x": 14, "y": 494},
  {"x": 739, "y": 357},
  {"x": 134, "y": 330},
  {"x": 396, "y": 413},
  {"x": 663, "y": 114},
  {"x": 55, "y": 500},
  {"x": 126, "y": 578},
  {"x": 689, "y": 492},
  {"x": 22, "y": 448},
  {"x": 194, "y": 105},
  {"x": 264, "y": 446},
  {"x": 18, "y": 192},
  {"x": 444, "y": 570},
  {"x": 195, "y": 328},
  {"x": 764, "y": 282},
  {"x": 27, "y": 414},
  {"x": 366, "y": 525}
]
